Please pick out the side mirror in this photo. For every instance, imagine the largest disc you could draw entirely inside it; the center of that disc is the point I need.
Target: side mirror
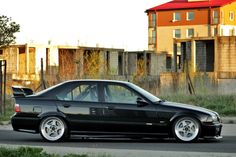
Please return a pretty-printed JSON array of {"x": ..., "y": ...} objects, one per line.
[{"x": 141, "y": 102}]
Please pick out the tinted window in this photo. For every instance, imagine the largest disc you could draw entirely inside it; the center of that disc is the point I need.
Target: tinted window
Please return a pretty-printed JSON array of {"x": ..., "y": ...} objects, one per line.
[
  {"x": 148, "y": 95},
  {"x": 81, "y": 92},
  {"x": 119, "y": 94}
]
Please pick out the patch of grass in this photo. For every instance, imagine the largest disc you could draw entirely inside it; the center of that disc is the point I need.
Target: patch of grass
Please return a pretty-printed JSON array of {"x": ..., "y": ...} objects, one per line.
[
  {"x": 225, "y": 105},
  {"x": 24, "y": 152},
  {"x": 37, "y": 152}
]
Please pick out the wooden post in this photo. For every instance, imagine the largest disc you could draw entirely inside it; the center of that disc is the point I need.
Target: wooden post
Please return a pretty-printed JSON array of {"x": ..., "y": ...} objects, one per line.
[
  {"x": 42, "y": 81},
  {"x": 42, "y": 75},
  {"x": 1, "y": 104},
  {"x": 4, "y": 87}
]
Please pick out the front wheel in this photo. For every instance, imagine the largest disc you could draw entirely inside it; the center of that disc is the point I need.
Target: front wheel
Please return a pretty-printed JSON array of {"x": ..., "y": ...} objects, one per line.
[
  {"x": 53, "y": 129},
  {"x": 186, "y": 129}
]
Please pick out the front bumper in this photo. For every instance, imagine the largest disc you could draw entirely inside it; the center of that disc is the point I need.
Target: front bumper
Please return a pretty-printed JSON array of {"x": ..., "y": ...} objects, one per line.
[{"x": 212, "y": 130}]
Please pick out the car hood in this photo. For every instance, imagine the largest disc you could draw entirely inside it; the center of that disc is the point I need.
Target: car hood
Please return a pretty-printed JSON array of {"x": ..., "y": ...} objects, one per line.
[{"x": 189, "y": 107}]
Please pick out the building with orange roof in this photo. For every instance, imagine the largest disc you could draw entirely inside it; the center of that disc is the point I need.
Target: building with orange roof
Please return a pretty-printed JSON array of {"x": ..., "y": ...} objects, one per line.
[{"x": 187, "y": 20}]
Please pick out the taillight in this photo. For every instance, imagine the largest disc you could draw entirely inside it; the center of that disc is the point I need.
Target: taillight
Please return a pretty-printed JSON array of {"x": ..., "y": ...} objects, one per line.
[{"x": 17, "y": 108}]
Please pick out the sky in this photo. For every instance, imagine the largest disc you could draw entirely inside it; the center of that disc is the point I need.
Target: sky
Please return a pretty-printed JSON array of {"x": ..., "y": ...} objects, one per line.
[{"x": 103, "y": 23}]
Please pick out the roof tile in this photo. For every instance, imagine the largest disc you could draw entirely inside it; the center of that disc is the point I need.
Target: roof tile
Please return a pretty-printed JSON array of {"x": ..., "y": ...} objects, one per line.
[{"x": 184, "y": 4}]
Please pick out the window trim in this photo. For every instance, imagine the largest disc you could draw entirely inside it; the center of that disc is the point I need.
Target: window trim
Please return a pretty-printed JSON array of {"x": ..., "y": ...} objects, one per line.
[
  {"x": 187, "y": 16},
  {"x": 215, "y": 19},
  {"x": 231, "y": 18},
  {"x": 174, "y": 33},
  {"x": 154, "y": 19},
  {"x": 187, "y": 33},
  {"x": 174, "y": 17}
]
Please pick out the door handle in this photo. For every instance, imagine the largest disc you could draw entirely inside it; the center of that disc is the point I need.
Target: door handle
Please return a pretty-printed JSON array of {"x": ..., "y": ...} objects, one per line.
[
  {"x": 110, "y": 107},
  {"x": 66, "y": 105}
]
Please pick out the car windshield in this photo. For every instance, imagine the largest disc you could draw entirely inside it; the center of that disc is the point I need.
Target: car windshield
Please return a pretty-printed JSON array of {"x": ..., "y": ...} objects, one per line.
[{"x": 150, "y": 96}]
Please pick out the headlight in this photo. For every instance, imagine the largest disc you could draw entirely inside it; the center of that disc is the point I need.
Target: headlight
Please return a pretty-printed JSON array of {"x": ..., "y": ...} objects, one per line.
[{"x": 212, "y": 118}]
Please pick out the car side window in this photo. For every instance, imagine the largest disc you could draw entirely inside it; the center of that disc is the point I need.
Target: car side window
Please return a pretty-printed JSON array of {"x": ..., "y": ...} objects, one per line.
[
  {"x": 119, "y": 94},
  {"x": 82, "y": 92}
]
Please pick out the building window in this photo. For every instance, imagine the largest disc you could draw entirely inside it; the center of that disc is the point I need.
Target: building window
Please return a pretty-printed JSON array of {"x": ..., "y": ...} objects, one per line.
[
  {"x": 177, "y": 33},
  {"x": 152, "y": 39},
  {"x": 168, "y": 62},
  {"x": 154, "y": 36},
  {"x": 1, "y": 52},
  {"x": 215, "y": 33},
  {"x": 215, "y": 17},
  {"x": 231, "y": 15},
  {"x": 190, "y": 32},
  {"x": 190, "y": 16},
  {"x": 176, "y": 16},
  {"x": 152, "y": 20}
]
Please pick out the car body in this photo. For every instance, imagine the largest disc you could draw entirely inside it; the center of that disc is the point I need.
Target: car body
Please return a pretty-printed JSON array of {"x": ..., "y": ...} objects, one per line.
[{"x": 109, "y": 107}]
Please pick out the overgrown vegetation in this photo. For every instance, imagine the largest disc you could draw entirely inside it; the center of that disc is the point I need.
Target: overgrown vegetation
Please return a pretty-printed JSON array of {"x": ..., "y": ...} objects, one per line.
[
  {"x": 9, "y": 111},
  {"x": 37, "y": 152},
  {"x": 92, "y": 63}
]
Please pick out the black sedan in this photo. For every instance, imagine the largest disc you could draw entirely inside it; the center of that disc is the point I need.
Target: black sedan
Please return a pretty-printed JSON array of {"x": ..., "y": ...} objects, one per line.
[{"x": 108, "y": 107}]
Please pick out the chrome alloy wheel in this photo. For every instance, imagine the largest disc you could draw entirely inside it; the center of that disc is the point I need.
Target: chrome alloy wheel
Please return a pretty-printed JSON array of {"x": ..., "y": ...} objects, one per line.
[
  {"x": 186, "y": 129},
  {"x": 52, "y": 128}
]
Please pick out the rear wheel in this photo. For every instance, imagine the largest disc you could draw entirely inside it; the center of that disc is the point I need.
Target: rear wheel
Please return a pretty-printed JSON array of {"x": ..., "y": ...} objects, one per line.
[
  {"x": 53, "y": 129},
  {"x": 186, "y": 129}
]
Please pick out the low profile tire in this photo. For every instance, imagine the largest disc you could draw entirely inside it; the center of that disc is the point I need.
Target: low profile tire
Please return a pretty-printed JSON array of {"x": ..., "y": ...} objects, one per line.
[
  {"x": 186, "y": 129},
  {"x": 53, "y": 129}
]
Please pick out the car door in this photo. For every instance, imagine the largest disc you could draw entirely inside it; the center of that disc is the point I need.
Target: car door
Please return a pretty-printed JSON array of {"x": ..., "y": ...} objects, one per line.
[
  {"x": 122, "y": 112},
  {"x": 79, "y": 102}
]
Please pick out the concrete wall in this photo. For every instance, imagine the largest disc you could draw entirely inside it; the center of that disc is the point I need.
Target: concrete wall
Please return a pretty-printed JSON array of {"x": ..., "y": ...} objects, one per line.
[
  {"x": 226, "y": 54},
  {"x": 132, "y": 63},
  {"x": 113, "y": 63},
  {"x": 203, "y": 83},
  {"x": 10, "y": 54},
  {"x": 160, "y": 63},
  {"x": 227, "y": 86}
]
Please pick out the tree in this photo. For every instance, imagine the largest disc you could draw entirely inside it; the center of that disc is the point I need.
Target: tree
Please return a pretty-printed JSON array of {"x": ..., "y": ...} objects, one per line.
[{"x": 7, "y": 30}]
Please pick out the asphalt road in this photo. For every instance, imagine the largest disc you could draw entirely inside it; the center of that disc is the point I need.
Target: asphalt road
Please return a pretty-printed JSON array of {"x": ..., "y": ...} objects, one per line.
[{"x": 225, "y": 145}]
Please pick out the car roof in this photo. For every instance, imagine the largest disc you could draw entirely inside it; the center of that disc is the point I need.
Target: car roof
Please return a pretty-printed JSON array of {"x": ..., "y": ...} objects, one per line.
[{"x": 98, "y": 80}]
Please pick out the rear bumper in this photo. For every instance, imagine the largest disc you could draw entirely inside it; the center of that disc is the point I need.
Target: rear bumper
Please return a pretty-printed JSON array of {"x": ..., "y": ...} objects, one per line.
[
  {"x": 25, "y": 124},
  {"x": 212, "y": 130}
]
